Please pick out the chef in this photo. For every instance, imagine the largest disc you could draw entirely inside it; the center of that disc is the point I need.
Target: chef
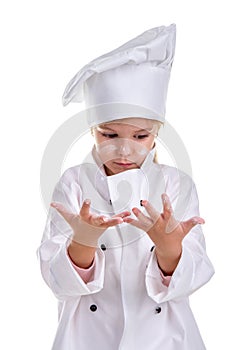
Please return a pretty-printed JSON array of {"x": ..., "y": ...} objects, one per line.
[{"x": 123, "y": 246}]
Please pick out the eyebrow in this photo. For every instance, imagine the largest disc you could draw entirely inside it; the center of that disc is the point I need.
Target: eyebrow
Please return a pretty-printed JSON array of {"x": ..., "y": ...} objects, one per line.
[{"x": 107, "y": 128}]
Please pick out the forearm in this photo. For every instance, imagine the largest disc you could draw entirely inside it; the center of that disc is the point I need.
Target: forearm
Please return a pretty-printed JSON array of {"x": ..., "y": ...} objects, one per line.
[
  {"x": 81, "y": 255},
  {"x": 168, "y": 263}
]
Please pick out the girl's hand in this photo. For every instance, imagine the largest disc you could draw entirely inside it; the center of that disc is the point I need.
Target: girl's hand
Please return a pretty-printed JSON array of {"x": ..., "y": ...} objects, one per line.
[
  {"x": 88, "y": 227},
  {"x": 165, "y": 231}
]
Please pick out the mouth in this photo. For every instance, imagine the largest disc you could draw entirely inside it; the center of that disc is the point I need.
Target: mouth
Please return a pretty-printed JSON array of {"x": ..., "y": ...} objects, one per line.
[{"x": 124, "y": 165}]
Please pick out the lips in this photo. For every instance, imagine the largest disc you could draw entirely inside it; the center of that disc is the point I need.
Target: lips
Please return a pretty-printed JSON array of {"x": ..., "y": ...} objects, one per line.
[{"x": 124, "y": 164}]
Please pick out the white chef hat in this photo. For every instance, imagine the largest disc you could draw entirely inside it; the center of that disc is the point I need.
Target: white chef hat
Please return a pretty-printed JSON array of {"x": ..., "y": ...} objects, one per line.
[{"x": 130, "y": 81}]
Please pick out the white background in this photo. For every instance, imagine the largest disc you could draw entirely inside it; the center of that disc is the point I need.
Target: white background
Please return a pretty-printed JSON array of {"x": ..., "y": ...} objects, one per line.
[{"x": 43, "y": 44}]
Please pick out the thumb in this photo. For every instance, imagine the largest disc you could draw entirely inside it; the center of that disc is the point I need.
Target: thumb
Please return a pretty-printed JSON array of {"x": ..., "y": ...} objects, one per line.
[
  {"x": 189, "y": 224},
  {"x": 68, "y": 216}
]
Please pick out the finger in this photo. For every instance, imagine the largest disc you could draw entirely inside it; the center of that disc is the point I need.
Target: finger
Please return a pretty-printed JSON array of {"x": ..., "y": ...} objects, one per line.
[
  {"x": 154, "y": 214},
  {"x": 113, "y": 221},
  {"x": 85, "y": 209},
  {"x": 145, "y": 220},
  {"x": 104, "y": 221},
  {"x": 124, "y": 214},
  {"x": 189, "y": 224},
  {"x": 97, "y": 220},
  {"x": 136, "y": 223},
  {"x": 167, "y": 208},
  {"x": 68, "y": 216}
]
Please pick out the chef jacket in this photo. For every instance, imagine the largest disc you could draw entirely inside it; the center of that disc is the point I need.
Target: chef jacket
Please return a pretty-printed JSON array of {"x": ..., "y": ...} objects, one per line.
[{"x": 126, "y": 305}]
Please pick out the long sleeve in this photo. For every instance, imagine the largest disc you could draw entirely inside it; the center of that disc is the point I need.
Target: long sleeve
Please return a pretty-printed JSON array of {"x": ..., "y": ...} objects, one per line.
[
  {"x": 86, "y": 274},
  {"x": 56, "y": 267},
  {"x": 194, "y": 268}
]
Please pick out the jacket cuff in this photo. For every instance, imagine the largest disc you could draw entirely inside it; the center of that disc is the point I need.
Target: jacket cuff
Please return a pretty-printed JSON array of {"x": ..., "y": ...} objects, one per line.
[
  {"x": 193, "y": 270},
  {"x": 66, "y": 282}
]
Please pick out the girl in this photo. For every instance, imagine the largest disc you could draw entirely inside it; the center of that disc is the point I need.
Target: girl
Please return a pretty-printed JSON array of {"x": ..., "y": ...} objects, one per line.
[{"x": 123, "y": 247}]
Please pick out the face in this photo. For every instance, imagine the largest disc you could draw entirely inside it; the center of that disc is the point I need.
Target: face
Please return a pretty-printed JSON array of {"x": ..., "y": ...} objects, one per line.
[{"x": 124, "y": 144}]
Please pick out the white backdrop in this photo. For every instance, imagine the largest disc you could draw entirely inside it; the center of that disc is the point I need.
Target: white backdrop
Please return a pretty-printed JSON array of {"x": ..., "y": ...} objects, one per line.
[{"x": 43, "y": 44}]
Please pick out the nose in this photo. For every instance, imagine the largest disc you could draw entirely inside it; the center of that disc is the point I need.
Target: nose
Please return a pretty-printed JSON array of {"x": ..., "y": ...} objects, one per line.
[{"x": 124, "y": 148}]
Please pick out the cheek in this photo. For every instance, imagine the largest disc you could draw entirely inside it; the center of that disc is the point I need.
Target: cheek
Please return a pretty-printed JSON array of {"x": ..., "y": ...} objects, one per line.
[
  {"x": 150, "y": 142},
  {"x": 107, "y": 150},
  {"x": 142, "y": 151}
]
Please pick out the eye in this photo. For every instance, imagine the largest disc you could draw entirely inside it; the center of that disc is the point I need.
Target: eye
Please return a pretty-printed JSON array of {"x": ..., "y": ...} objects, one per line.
[
  {"x": 140, "y": 137},
  {"x": 110, "y": 136}
]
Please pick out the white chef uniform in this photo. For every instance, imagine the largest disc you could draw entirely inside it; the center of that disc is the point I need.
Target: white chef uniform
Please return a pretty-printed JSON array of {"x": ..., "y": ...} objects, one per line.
[{"x": 126, "y": 306}]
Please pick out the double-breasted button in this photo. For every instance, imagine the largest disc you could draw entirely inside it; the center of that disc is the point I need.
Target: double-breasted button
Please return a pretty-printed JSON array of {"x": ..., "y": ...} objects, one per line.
[
  {"x": 152, "y": 248},
  {"x": 158, "y": 310},
  {"x": 93, "y": 307},
  {"x": 103, "y": 247},
  {"x": 110, "y": 202}
]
